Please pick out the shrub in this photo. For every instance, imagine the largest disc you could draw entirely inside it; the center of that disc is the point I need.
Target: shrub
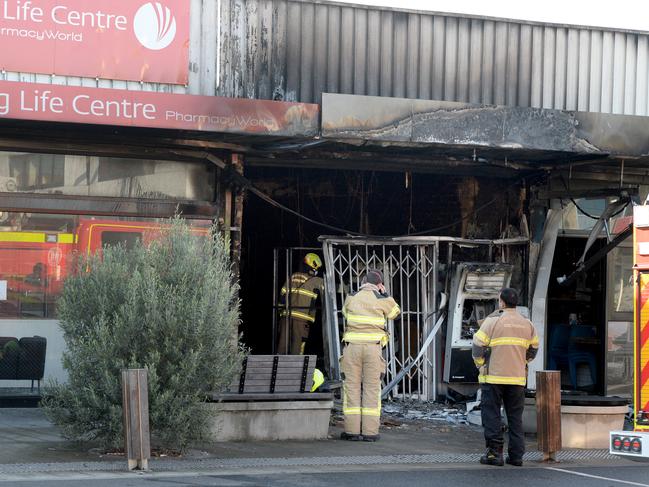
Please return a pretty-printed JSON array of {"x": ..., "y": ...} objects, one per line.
[{"x": 170, "y": 306}]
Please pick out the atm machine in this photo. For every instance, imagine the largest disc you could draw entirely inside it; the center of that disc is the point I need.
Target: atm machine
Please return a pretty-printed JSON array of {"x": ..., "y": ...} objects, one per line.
[{"x": 475, "y": 288}]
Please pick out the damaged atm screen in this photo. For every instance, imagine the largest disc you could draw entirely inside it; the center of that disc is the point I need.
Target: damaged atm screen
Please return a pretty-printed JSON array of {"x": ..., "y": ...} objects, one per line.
[{"x": 474, "y": 311}]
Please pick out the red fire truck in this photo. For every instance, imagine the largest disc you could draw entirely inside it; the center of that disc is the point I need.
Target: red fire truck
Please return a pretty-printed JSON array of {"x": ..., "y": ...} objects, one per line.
[
  {"x": 635, "y": 444},
  {"x": 33, "y": 264}
]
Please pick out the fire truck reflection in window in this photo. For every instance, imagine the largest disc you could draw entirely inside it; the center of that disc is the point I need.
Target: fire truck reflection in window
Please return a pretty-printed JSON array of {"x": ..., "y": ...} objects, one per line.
[
  {"x": 37, "y": 277},
  {"x": 36, "y": 252},
  {"x": 127, "y": 239},
  {"x": 33, "y": 269}
]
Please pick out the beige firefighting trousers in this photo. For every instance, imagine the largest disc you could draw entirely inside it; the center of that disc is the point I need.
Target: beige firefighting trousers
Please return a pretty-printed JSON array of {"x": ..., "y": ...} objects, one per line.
[
  {"x": 362, "y": 364},
  {"x": 298, "y": 336}
]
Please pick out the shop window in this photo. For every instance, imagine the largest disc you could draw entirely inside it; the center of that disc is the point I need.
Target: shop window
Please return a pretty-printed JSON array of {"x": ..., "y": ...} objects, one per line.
[
  {"x": 36, "y": 171},
  {"x": 128, "y": 239},
  {"x": 88, "y": 175},
  {"x": 110, "y": 168},
  {"x": 574, "y": 219},
  {"x": 619, "y": 358},
  {"x": 36, "y": 252},
  {"x": 620, "y": 296}
]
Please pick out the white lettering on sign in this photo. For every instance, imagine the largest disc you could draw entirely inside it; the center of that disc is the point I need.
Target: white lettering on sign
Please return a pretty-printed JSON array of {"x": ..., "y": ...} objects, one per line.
[
  {"x": 21, "y": 11},
  {"x": 64, "y": 16},
  {"x": 139, "y": 40},
  {"x": 44, "y": 101},
  {"x": 85, "y": 105},
  {"x": 221, "y": 120},
  {"x": 41, "y": 35},
  {"x": 40, "y": 102},
  {"x": 73, "y": 104}
]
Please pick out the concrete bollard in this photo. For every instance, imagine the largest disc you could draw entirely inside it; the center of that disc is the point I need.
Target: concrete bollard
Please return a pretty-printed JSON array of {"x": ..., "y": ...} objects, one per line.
[
  {"x": 548, "y": 413},
  {"x": 135, "y": 404}
]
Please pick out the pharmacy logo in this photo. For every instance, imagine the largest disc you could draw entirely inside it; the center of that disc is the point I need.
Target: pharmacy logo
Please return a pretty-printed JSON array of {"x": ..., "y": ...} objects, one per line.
[{"x": 154, "y": 26}]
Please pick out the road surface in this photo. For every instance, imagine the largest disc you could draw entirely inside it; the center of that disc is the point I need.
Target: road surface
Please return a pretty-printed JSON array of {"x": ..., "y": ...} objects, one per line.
[{"x": 387, "y": 476}]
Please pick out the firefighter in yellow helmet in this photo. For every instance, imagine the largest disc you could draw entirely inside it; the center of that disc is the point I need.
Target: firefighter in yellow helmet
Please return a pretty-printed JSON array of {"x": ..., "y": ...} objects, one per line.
[
  {"x": 301, "y": 299},
  {"x": 366, "y": 313}
]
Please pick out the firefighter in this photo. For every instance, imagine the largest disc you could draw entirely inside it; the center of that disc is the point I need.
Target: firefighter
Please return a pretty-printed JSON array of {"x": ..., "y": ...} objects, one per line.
[
  {"x": 301, "y": 294},
  {"x": 366, "y": 313},
  {"x": 502, "y": 348}
]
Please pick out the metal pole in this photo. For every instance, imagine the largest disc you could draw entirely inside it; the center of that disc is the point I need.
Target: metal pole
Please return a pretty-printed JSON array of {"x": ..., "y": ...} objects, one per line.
[
  {"x": 273, "y": 346},
  {"x": 433, "y": 361},
  {"x": 404, "y": 321},
  {"x": 287, "y": 301},
  {"x": 333, "y": 338}
]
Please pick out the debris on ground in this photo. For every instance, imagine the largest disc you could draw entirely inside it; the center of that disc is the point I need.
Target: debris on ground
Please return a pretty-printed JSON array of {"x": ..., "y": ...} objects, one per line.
[
  {"x": 424, "y": 411},
  {"x": 402, "y": 414}
]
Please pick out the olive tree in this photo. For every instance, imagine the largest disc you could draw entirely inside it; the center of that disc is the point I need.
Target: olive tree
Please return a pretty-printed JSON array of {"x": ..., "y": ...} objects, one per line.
[{"x": 168, "y": 304}]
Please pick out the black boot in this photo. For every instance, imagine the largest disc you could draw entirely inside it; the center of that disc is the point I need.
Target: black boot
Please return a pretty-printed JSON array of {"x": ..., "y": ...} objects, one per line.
[
  {"x": 493, "y": 456},
  {"x": 371, "y": 438},
  {"x": 516, "y": 462},
  {"x": 350, "y": 436}
]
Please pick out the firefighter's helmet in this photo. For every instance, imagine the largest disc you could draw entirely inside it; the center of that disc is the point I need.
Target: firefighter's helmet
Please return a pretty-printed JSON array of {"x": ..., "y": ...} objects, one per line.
[{"x": 313, "y": 261}]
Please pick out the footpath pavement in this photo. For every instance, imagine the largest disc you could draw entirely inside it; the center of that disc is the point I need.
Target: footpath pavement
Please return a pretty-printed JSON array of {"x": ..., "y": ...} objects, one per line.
[{"x": 30, "y": 446}]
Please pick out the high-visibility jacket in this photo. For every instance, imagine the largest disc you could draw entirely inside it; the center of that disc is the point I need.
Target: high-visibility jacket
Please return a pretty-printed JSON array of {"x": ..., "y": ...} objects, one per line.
[
  {"x": 366, "y": 313},
  {"x": 304, "y": 290},
  {"x": 503, "y": 346}
]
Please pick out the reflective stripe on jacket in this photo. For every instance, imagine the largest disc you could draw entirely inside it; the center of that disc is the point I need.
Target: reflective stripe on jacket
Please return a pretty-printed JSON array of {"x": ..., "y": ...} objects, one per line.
[
  {"x": 366, "y": 314},
  {"x": 304, "y": 290},
  {"x": 502, "y": 346}
]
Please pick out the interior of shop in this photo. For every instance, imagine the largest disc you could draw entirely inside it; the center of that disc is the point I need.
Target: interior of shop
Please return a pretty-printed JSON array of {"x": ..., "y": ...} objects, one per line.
[
  {"x": 376, "y": 203},
  {"x": 576, "y": 317}
]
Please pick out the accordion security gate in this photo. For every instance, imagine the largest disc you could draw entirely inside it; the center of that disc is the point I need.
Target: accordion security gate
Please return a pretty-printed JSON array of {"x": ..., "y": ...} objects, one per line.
[{"x": 415, "y": 277}]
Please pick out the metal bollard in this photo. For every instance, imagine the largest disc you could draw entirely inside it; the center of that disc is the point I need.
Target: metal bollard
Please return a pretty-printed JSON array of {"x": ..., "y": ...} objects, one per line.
[
  {"x": 135, "y": 403},
  {"x": 548, "y": 413}
]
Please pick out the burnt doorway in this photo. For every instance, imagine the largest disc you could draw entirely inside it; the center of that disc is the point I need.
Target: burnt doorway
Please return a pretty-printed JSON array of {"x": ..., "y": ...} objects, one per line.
[
  {"x": 363, "y": 202},
  {"x": 576, "y": 317}
]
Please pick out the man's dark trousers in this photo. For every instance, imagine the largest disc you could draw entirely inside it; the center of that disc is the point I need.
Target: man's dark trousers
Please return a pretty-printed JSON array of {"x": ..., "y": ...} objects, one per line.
[{"x": 513, "y": 397}]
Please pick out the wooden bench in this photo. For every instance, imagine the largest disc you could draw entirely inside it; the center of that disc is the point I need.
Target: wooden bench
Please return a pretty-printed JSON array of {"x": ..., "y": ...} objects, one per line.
[
  {"x": 272, "y": 400},
  {"x": 274, "y": 378}
]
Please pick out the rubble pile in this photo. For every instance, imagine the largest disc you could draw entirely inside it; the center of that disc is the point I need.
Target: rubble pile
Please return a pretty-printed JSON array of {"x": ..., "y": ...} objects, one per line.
[{"x": 425, "y": 411}]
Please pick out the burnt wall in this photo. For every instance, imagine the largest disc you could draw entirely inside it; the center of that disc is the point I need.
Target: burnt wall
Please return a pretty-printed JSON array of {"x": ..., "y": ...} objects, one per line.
[{"x": 375, "y": 203}]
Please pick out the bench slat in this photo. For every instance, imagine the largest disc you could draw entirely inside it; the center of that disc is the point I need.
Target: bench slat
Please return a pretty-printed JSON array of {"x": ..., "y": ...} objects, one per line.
[
  {"x": 265, "y": 388},
  {"x": 265, "y": 382},
  {"x": 283, "y": 396},
  {"x": 282, "y": 358},
  {"x": 295, "y": 384},
  {"x": 258, "y": 375},
  {"x": 280, "y": 368}
]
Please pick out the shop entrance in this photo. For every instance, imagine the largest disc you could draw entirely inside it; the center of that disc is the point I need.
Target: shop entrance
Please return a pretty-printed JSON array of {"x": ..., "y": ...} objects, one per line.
[
  {"x": 371, "y": 206},
  {"x": 576, "y": 317}
]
